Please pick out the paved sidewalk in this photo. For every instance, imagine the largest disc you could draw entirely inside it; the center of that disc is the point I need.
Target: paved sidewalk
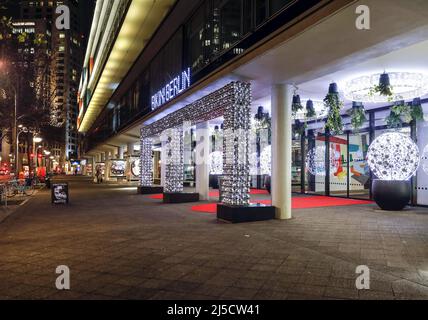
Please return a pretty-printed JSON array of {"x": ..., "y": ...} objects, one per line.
[{"x": 120, "y": 245}]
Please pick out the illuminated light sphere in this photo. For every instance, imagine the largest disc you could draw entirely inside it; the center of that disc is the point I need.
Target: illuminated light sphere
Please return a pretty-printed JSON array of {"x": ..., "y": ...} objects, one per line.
[
  {"x": 266, "y": 160},
  {"x": 405, "y": 86},
  {"x": 216, "y": 162},
  {"x": 315, "y": 161},
  {"x": 425, "y": 160},
  {"x": 393, "y": 156}
]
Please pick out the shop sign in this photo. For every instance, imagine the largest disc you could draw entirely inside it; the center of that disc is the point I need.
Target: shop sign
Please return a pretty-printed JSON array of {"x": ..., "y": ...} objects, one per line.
[
  {"x": 175, "y": 87},
  {"x": 60, "y": 193}
]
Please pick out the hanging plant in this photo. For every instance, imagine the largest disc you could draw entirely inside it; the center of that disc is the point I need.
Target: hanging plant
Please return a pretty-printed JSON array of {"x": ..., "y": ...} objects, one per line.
[
  {"x": 310, "y": 110},
  {"x": 334, "y": 106},
  {"x": 416, "y": 110},
  {"x": 358, "y": 115},
  {"x": 296, "y": 106},
  {"x": 300, "y": 127},
  {"x": 384, "y": 87},
  {"x": 400, "y": 113}
]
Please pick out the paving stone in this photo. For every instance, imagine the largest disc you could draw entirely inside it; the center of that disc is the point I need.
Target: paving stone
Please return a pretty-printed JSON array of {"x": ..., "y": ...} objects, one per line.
[{"x": 143, "y": 250}]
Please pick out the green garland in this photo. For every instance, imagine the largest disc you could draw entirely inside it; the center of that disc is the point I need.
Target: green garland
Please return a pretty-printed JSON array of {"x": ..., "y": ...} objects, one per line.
[
  {"x": 300, "y": 127},
  {"x": 358, "y": 117},
  {"x": 310, "y": 113},
  {"x": 296, "y": 107},
  {"x": 334, "y": 120},
  {"x": 416, "y": 112},
  {"x": 383, "y": 90},
  {"x": 400, "y": 113}
]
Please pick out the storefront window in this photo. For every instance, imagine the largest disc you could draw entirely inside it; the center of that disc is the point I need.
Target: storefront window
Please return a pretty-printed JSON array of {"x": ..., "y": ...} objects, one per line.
[
  {"x": 196, "y": 39},
  {"x": 261, "y": 10},
  {"x": 359, "y": 171}
]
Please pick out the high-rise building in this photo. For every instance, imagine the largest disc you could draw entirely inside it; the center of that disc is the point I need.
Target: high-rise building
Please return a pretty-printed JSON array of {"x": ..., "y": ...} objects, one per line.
[{"x": 67, "y": 57}]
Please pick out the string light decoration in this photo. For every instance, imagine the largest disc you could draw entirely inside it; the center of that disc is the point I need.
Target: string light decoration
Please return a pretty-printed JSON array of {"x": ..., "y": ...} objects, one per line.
[
  {"x": 216, "y": 162},
  {"x": 254, "y": 170},
  {"x": 393, "y": 156},
  {"x": 315, "y": 161},
  {"x": 405, "y": 86},
  {"x": 266, "y": 160},
  {"x": 146, "y": 162},
  {"x": 233, "y": 102},
  {"x": 174, "y": 166},
  {"x": 236, "y": 167}
]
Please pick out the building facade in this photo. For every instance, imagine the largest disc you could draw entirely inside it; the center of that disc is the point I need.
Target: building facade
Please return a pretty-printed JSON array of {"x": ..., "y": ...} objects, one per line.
[
  {"x": 283, "y": 49},
  {"x": 66, "y": 47}
]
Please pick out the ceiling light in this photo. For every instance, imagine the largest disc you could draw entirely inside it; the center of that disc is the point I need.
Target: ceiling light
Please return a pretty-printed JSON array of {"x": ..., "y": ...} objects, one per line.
[{"x": 405, "y": 86}]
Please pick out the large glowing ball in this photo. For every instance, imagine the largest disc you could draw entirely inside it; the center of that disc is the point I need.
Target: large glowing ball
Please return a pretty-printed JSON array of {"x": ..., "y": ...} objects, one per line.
[
  {"x": 216, "y": 162},
  {"x": 393, "y": 156},
  {"x": 425, "y": 160},
  {"x": 315, "y": 161},
  {"x": 266, "y": 160}
]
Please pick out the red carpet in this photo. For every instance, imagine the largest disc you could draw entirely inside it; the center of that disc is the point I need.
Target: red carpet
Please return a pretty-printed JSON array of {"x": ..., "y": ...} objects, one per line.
[
  {"x": 297, "y": 203},
  {"x": 213, "y": 194},
  {"x": 157, "y": 197}
]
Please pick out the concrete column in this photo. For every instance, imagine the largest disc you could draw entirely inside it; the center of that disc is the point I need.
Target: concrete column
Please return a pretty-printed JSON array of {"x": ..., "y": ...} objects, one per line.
[
  {"x": 281, "y": 149},
  {"x": 107, "y": 165},
  {"x": 202, "y": 160},
  {"x": 120, "y": 152},
  {"x": 130, "y": 149}
]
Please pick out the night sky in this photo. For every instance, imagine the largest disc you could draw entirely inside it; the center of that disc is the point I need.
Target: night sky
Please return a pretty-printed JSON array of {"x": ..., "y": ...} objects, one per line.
[{"x": 11, "y": 8}]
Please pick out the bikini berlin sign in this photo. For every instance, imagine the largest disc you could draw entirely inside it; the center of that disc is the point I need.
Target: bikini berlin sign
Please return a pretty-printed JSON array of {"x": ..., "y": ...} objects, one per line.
[{"x": 176, "y": 86}]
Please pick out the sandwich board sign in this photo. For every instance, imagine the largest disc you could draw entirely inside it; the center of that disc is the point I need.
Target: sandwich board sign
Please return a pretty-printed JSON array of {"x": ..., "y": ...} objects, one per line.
[{"x": 60, "y": 193}]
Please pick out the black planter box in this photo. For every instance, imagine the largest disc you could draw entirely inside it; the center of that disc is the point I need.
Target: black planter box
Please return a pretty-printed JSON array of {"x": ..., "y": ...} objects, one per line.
[
  {"x": 240, "y": 214},
  {"x": 180, "y": 197},
  {"x": 392, "y": 195},
  {"x": 149, "y": 190}
]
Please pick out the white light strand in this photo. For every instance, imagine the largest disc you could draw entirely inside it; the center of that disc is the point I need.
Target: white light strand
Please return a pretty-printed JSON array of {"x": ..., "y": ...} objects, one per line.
[
  {"x": 216, "y": 162},
  {"x": 315, "y": 161},
  {"x": 236, "y": 168},
  {"x": 266, "y": 160},
  {"x": 174, "y": 166},
  {"x": 405, "y": 86},
  {"x": 146, "y": 162}
]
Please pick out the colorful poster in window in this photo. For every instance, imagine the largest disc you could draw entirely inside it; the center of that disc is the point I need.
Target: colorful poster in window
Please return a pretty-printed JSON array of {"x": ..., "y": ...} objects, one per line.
[{"x": 117, "y": 168}]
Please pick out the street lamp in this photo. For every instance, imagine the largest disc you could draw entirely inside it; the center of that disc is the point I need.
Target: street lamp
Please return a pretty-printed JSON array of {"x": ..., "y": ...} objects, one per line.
[
  {"x": 36, "y": 139},
  {"x": 21, "y": 129}
]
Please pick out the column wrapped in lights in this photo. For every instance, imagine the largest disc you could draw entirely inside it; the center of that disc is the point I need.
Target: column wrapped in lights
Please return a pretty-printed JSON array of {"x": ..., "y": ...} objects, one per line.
[
  {"x": 174, "y": 174},
  {"x": 146, "y": 162},
  {"x": 236, "y": 168}
]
